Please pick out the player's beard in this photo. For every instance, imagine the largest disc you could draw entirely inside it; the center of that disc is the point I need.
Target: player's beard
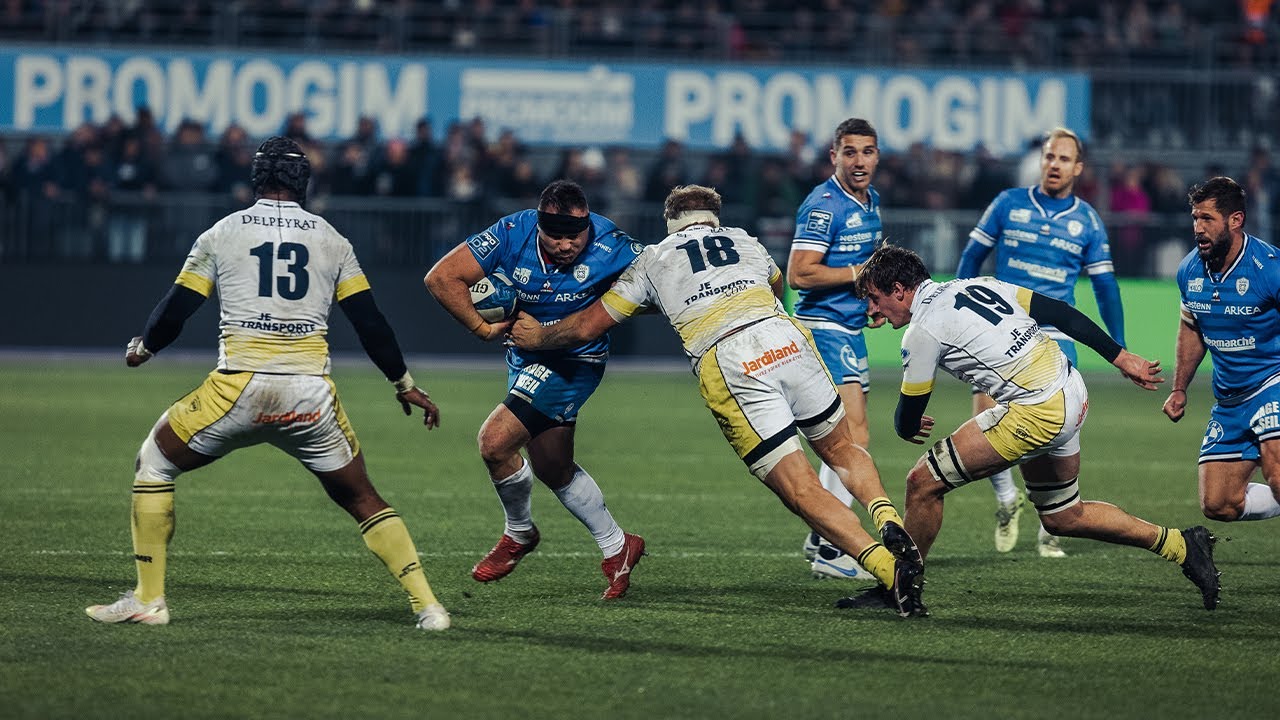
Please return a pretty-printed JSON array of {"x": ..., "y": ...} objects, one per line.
[{"x": 1216, "y": 255}]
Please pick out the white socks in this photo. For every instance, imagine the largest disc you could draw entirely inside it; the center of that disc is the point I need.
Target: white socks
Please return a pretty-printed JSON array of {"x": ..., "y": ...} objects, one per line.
[
  {"x": 583, "y": 498},
  {"x": 1006, "y": 489},
  {"x": 831, "y": 481},
  {"x": 1259, "y": 503},
  {"x": 516, "y": 492}
]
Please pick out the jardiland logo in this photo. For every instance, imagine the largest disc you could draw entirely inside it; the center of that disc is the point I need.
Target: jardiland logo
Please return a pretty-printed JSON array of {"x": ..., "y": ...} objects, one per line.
[
  {"x": 289, "y": 418},
  {"x": 770, "y": 357}
]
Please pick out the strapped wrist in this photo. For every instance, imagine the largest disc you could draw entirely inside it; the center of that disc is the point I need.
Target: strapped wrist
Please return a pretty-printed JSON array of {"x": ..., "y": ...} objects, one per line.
[
  {"x": 1181, "y": 390},
  {"x": 404, "y": 384}
]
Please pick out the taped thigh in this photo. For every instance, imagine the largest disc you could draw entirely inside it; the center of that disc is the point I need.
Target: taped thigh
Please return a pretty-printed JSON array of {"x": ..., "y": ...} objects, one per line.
[
  {"x": 945, "y": 465},
  {"x": 771, "y": 453},
  {"x": 1050, "y": 498},
  {"x": 152, "y": 466}
]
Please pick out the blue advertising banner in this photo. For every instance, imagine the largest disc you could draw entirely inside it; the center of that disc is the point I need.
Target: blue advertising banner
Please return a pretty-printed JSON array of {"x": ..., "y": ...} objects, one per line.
[{"x": 705, "y": 106}]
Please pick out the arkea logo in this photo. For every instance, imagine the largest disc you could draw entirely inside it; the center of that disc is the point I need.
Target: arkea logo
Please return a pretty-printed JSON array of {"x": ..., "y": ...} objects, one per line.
[
  {"x": 771, "y": 357},
  {"x": 819, "y": 221}
]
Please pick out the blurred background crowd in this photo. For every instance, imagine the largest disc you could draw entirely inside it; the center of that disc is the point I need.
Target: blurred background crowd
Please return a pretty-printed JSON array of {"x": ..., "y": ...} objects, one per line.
[{"x": 132, "y": 193}]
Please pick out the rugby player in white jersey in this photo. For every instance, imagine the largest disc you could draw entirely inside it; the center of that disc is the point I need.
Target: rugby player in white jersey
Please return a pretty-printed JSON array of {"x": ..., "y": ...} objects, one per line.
[
  {"x": 760, "y": 375},
  {"x": 277, "y": 269},
  {"x": 988, "y": 333}
]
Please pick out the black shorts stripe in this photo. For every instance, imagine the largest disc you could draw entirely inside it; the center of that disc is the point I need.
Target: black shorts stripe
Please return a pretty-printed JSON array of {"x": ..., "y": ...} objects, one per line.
[
  {"x": 533, "y": 420},
  {"x": 820, "y": 417},
  {"x": 770, "y": 444}
]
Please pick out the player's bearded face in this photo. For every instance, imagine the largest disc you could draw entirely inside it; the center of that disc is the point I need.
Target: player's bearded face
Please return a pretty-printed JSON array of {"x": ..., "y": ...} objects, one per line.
[
  {"x": 1059, "y": 167},
  {"x": 1213, "y": 237}
]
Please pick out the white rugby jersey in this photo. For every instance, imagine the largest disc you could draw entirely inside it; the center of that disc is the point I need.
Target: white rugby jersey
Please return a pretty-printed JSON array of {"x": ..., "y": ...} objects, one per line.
[
  {"x": 706, "y": 280},
  {"x": 278, "y": 269},
  {"x": 978, "y": 331}
]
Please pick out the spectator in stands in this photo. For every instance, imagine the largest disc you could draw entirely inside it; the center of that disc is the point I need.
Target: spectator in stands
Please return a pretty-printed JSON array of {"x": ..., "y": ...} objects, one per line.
[
  {"x": 234, "y": 158},
  {"x": 352, "y": 173},
  {"x": 668, "y": 171},
  {"x": 189, "y": 165},
  {"x": 396, "y": 176},
  {"x": 1131, "y": 208},
  {"x": 295, "y": 128},
  {"x": 134, "y": 176},
  {"x": 624, "y": 183},
  {"x": 423, "y": 156},
  {"x": 79, "y": 167},
  {"x": 1261, "y": 184}
]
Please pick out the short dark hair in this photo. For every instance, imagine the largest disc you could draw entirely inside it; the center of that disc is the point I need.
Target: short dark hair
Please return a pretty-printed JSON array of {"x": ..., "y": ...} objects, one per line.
[
  {"x": 687, "y": 198},
  {"x": 854, "y": 126},
  {"x": 890, "y": 264},
  {"x": 563, "y": 196},
  {"x": 1226, "y": 194}
]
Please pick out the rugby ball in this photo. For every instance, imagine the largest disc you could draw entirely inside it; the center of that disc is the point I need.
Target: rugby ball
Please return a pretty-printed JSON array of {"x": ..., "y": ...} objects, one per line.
[{"x": 494, "y": 298}]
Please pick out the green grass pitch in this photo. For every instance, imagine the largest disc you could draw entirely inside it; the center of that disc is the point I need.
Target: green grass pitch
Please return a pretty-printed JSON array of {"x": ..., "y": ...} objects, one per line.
[{"x": 279, "y": 611}]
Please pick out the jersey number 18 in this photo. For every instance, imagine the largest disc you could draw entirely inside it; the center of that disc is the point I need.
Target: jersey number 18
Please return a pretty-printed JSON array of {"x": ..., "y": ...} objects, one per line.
[{"x": 719, "y": 252}]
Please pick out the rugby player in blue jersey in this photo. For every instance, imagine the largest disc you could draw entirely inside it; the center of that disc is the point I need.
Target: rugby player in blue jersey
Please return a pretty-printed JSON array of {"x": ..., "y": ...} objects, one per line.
[
  {"x": 1230, "y": 286},
  {"x": 837, "y": 228},
  {"x": 561, "y": 258},
  {"x": 1043, "y": 237}
]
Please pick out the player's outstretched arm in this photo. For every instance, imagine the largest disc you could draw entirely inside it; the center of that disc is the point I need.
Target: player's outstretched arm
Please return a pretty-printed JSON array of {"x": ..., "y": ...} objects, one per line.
[
  {"x": 1189, "y": 352},
  {"x": 1141, "y": 372},
  {"x": 164, "y": 325},
  {"x": 587, "y": 324},
  {"x": 1107, "y": 291},
  {"x": 449, "y": 282}
]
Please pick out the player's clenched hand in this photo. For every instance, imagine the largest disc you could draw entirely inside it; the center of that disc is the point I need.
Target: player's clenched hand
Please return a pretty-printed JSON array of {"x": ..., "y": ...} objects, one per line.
[
  {"x": 526, "y": 333},
  {"x": 926, "y": 428},
  {"x": 1141, "y": 372},
  {"x": 415, "y": 397},
  {"x": 135, "y": 354},
  {"x": 492, "y": 331},
  {"x": 1175, "y": 405}
]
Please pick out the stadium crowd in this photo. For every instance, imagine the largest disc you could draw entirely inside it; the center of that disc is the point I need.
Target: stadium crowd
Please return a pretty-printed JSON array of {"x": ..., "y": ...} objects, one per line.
[
  {"x": 998, "y": 32},
  {"x": 67, "y": 185}
]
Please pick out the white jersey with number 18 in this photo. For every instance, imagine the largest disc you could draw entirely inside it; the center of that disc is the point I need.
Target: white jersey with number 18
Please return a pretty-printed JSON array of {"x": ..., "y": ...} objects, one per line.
[
  {"x": 978, "y": 331},
  {"x": 706, "y": 280}
]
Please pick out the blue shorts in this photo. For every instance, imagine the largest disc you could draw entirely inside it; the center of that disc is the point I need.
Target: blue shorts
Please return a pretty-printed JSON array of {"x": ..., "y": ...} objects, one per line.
[
  {"x": 1237, "y": 431},
  {"x": 843, "y": 351},
  {"x": 556, "y": 388}
]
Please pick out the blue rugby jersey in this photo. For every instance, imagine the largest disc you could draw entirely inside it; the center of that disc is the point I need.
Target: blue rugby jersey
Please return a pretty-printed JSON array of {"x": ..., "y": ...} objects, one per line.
[
  {"x": 1042, "y": 243},
  {"x": 835, "y": 223},
  {"x": 550, "y": 292},
  {"x": 1238, "y": 315}
]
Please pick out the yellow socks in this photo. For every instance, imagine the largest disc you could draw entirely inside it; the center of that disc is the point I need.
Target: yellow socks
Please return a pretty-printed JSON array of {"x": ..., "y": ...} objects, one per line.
[
  {"x": 386, "y": 535},
  {"x": 879, "y": 562},
  {"x": 1170, "y": 545},
  {"x": 152, "y": 522},
  {"x": 883, "y": 511}
]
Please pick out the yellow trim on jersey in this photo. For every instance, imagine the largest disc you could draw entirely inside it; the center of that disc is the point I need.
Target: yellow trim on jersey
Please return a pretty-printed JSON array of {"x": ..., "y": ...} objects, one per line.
[
  {"x": 773, "y": 277},
  {"x": 207, "y": 404},
  {"x": 305, "y": 355},
  {"x": 624, "y": 307},
  {"x": 343, "y": 421},
  {"x": 1043, "y": 366},
  {"x": 1024, "y": 299},
  {"x": 1025, "y": 428},
  {"x": 916, "y": 389},
  {"x": 350, "y": 287},
  {"x": 720, "y": 401},
  {"x": 726, "y": 313},
  {"x": 192, "y": 281}
]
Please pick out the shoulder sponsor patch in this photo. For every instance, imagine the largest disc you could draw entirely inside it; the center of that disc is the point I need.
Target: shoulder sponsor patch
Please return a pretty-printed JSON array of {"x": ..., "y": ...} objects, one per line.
[
  {"x": 483, "y": 244},
  {"x": 819, "y": 221}
]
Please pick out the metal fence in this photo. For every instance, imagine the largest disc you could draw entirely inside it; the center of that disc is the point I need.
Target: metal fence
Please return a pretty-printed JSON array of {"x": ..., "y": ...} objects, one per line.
[{"x": 417, "y": 232}]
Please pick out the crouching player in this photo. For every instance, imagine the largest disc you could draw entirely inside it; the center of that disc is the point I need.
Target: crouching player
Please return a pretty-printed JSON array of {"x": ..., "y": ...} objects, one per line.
[
  {"x": 277, "y": 269},
  {"x": 988, "y": 333},
  {"x": 760, "y": 375}
]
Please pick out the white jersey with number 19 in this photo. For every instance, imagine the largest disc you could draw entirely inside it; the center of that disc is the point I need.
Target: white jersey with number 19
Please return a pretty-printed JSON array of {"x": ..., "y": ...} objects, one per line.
[
  {"x": 278, "y": 269},
  {"x": 978, "y": 331},
  {"x": 707, "y": 280}
]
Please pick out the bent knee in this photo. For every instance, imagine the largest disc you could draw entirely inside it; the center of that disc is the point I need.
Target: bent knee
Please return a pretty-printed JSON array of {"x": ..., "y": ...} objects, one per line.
[
  {"x": 922, "y": 483},
  {"x": 1222, "y": 512}
]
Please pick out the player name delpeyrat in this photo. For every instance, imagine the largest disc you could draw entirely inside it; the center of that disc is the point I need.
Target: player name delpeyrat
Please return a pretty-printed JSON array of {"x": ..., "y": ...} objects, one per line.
[{"x": 278, "y": 221}]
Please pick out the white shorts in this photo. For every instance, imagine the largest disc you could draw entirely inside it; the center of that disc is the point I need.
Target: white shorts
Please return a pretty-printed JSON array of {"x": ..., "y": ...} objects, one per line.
[
  {"x": 300, "y": 414},
  {"x": 765, "y": 382},
  {"x": 1052, "y": 427}
]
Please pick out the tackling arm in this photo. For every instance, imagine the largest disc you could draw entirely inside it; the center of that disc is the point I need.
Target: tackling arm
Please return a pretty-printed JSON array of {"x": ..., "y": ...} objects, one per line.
[
  {"x": 449, "y": 282},
  {"x": 1189, "y": 352},
  {"x": 585, "y": 325}
]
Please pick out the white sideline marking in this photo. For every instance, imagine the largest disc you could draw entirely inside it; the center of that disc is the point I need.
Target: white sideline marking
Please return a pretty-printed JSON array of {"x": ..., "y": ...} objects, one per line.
[{"x": 354, "y": 554}]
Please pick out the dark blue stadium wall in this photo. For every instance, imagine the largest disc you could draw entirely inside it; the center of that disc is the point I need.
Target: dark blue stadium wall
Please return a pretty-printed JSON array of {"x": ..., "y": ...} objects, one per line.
[{"x": 102, "y": 306}]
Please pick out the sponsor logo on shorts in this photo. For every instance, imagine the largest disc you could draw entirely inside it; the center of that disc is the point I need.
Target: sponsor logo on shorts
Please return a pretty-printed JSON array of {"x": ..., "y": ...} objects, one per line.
[
  {"x": 1267, "y": 418},
  {"x": 771, "y": 357},
  {"x": 1212, "y": 434},
  {"x": 289, "y": 418},
  {"x": 531, "y": 377}
]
